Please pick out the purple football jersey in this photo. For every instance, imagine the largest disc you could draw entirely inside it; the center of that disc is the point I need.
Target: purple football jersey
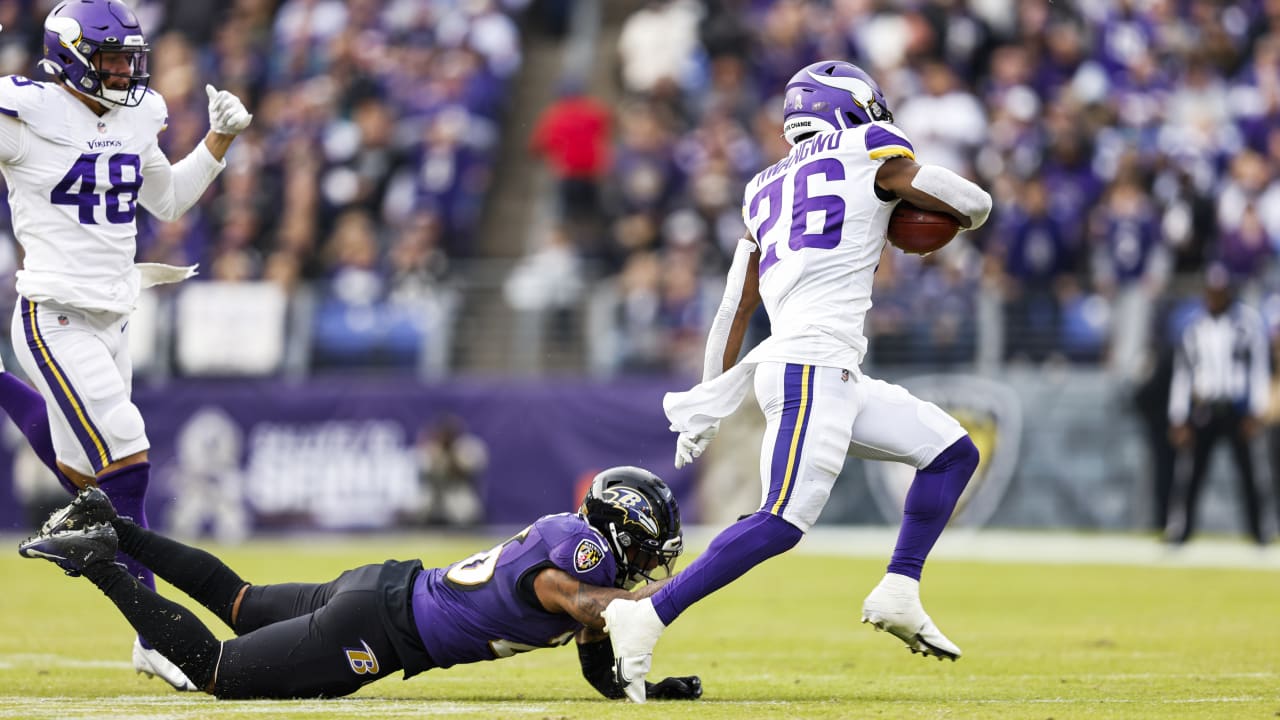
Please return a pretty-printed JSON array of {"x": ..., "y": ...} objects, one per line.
[{"x": 484, "y": 608}]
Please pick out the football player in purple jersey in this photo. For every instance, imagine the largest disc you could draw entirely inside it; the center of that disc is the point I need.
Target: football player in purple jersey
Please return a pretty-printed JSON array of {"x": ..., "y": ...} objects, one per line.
[
  {"x": 80, "y": 155},
  {"x": 545, "y": 586},
  {"x": 817, "y": 223}
]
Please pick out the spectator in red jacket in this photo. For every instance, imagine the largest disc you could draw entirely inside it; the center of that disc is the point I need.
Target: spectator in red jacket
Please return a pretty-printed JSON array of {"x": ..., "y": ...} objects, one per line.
[{"x": 573, "y": 136}]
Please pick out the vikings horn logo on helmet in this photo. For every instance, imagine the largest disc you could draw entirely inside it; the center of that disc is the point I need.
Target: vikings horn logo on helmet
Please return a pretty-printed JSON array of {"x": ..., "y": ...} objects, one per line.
[{"x": 829, "y": 96}]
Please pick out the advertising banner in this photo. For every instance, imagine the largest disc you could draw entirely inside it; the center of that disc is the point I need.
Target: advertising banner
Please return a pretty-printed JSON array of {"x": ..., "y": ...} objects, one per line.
[{"x": 233, "y": 456}]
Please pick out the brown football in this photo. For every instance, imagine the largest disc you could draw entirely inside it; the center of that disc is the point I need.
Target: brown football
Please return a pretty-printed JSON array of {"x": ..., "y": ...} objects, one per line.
[{"x": 919, "y": 232}]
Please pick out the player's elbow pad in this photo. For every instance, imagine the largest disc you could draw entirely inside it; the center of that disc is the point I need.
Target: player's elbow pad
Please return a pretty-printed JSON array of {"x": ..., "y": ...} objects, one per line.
[
  {"x": 955, "y": 191},
  {"x": 597, "y": 668}
]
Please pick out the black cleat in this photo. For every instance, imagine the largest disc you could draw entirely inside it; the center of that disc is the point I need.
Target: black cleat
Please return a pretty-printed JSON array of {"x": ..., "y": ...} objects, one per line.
[
  {"x": 74, "y": 550},
  {"x": 90, "y": 507}
]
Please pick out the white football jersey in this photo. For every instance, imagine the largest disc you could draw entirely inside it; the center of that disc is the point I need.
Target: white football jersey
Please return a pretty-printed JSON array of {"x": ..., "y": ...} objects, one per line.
[
  {"x": 821, "y": 228},
  {"x": 75, "y": 182}
]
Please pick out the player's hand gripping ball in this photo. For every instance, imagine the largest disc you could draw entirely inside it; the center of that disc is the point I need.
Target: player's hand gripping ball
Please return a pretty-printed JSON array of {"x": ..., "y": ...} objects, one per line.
[{"x": 920, "y": 232}]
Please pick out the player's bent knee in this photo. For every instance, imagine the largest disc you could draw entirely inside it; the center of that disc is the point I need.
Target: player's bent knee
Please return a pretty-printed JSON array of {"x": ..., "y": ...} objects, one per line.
[
  {"x": 787, "y": 528},
  {"x": 970, "y": 455},
  {"x": 125, "y": 423},
  {"x": 960, "y": 454}
]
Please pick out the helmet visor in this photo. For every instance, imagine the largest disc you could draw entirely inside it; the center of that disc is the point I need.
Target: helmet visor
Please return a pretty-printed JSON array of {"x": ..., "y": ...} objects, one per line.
[
  {"x": 119, "y": 67},
  {"x": 649, "y": 564},
  {"x": 122, "y": 74}
]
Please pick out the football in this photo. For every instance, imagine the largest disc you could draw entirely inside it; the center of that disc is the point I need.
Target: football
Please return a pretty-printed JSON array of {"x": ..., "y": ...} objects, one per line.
[{"x": 920, "y": 232}]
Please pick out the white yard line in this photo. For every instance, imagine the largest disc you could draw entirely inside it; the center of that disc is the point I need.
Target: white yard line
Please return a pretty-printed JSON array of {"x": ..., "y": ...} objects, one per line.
[
  {"x": 1038, "y": 547},
  {"x": 155, "y": 708}
]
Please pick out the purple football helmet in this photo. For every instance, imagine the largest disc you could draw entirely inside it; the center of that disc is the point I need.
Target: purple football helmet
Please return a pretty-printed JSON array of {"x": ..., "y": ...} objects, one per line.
[
  {"x": 828, "y": 96},
  {"x": 96, "y": 47}
]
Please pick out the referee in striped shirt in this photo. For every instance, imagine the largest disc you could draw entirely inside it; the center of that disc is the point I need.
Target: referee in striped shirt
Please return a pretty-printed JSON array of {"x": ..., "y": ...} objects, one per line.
[{"x": 1220, "y": 390}]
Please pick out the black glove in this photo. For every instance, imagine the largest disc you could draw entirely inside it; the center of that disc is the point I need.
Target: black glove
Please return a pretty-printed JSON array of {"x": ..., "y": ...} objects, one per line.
[{"x": 675, "y": 688}]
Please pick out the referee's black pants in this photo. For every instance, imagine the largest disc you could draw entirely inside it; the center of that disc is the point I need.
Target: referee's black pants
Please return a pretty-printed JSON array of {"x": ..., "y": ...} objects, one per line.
[{"x": 1212, "y": 423}]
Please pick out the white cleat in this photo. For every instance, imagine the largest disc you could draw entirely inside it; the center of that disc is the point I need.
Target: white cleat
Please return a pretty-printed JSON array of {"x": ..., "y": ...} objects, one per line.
[
  {"x": 634, "y": 628},
  {"x": 151, "y": 663},
  {"x": 894, "y": 606}
]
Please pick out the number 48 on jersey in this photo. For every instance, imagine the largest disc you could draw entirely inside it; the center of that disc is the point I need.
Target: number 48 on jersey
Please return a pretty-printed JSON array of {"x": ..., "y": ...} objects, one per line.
[{"x": 79, "y": 187}]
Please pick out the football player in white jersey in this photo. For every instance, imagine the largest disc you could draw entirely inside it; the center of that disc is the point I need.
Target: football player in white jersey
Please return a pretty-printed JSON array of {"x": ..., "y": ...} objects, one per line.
[
  {"x": 817, "y": 223},
  {"x": 79, "y": 154}
]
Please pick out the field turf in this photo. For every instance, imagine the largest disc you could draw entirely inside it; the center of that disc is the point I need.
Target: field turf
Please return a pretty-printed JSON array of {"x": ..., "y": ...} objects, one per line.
[{"x": 1100, "y": 640}]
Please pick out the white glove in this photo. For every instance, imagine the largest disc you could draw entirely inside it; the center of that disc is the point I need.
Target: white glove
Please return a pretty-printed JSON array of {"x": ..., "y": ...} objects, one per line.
[
  {"x": 690, "y": 445},
  {"x": 226, "y": 113}
]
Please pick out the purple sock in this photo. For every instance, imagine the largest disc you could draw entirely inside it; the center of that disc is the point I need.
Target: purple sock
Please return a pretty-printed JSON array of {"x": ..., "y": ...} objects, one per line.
[
  {"x": 737, "y": 549},
  {"x": 27, "y": 410},
  {"x": 930, "y": 501},
  {"x": 127, "y": 488}
]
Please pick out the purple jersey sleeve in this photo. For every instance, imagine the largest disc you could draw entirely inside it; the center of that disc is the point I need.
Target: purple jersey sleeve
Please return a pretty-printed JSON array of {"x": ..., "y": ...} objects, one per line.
[
  {"x": 484, "y": 607},
  {"x": 885, "y": 141},
  {"x": 583, "y": 554}
]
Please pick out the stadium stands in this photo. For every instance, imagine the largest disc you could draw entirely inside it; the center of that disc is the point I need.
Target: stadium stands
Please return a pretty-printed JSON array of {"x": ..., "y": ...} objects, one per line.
[{"x": 1128, "y": 144}]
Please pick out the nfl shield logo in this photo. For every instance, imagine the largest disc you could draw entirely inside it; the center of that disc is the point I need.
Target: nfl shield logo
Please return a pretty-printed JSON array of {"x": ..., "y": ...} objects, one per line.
[
  {"x": 62, "y": 320},
  {"x": 992, "y": 414},
  {"x": 102, "y": 127}
]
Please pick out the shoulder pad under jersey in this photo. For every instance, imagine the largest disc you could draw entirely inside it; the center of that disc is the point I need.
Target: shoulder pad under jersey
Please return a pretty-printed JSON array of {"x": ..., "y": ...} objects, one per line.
[
  {"x": 885, "y": 140},
  {"x": 24, "y": 99},
  {"x": 152, "y": 113}
]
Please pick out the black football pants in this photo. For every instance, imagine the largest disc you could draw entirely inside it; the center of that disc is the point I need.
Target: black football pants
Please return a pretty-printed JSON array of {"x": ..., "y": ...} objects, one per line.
[{"x": 295, "y": 640}]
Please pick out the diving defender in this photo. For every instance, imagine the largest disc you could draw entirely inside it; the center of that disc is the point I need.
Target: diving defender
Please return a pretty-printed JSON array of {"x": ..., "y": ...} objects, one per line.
[{"x": 542, "y": 588}]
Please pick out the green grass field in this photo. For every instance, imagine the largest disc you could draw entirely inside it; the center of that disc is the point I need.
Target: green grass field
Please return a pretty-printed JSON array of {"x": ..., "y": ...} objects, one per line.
[{"x": 1040, "y": 642}]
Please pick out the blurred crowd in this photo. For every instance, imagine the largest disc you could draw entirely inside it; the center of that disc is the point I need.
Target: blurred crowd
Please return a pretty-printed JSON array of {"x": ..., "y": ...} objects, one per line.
[
  {"x": 1128, "y": 145},
  {"x": 365, "y": 169}
]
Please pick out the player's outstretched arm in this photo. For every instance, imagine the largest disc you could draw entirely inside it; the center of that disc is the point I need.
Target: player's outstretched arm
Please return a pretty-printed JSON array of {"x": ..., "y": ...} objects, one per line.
[
  {"x": 559, "y": 592},
  {"x": 932, "y": 187},
  {"x": 596, "y": 657}
]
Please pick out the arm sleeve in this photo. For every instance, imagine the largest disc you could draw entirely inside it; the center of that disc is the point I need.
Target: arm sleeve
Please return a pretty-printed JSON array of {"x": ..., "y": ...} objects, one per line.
[
  {"x": 955, "y": 191},
  {"x": 168, "y": 191},
  {"x": 718, "y": 335},
  {"x": 11, "y": 131},
  {"x": 597, "y": 667}
]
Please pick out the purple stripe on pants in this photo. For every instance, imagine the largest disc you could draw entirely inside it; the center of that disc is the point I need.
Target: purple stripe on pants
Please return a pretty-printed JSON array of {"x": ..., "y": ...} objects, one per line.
[
  {"x": 797, "y": 403},
  {"x": 68, "y": 399}
]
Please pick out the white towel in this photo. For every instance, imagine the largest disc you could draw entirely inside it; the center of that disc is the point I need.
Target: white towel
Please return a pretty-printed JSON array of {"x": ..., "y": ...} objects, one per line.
[
  {"x": 707, "y": 403},
  {"x": 153, "y": 274}
]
